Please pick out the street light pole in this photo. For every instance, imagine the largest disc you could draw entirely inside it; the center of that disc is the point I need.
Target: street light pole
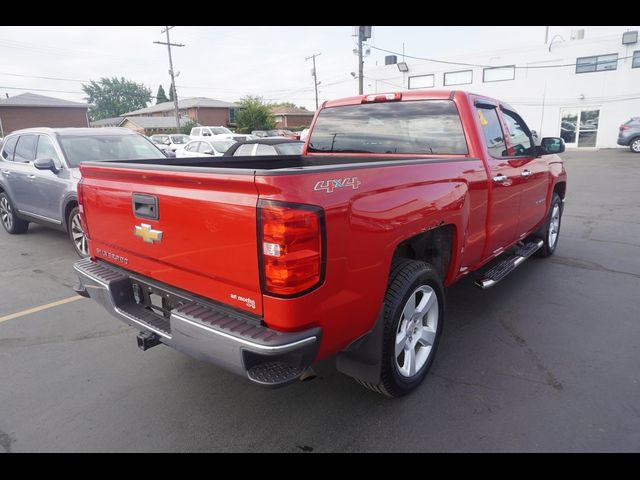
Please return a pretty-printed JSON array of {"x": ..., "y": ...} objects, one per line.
[
  {"x": 173, "y": 80},
  {"x": 360, "y": 62}
]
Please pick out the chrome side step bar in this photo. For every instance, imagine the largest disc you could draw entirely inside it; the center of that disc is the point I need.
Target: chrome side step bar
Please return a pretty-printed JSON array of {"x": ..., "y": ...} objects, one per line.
[{"x": 508, "y": 265}]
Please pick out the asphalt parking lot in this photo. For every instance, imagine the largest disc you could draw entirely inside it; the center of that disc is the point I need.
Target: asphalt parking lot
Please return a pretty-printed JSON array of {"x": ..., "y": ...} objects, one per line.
[{"x": 548, "y": 360}]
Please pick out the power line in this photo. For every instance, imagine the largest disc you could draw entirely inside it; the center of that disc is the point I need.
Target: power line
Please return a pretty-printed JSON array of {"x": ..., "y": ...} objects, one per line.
[
  {"x": 45, "y": 78},
  {"x": 485, "y": 66}
]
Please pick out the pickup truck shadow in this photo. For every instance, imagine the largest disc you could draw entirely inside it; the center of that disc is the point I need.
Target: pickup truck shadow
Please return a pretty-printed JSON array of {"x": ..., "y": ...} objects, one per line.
[{"x": 481, "y": 355}]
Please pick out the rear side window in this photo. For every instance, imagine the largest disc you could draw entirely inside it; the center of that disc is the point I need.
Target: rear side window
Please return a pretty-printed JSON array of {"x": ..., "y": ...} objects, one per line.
[
  {"x": 9, "y": 148},
  {"x": 416, "y": 127},
  {"x": 26, "y": 148},
  {"x": 492, "y": 131},
  {"x": 244, "y": 150},
  {"x": 196, "y": 132},
  {"x": 265, "y": 150}
]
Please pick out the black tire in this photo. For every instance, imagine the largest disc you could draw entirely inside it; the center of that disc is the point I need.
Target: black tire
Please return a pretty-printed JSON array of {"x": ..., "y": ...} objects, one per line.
[
  {"x": 548, "y": 246},
  {"x": 10, "y": 221},
  {"x": 634, "y": 145},
  {"x": 407, "y": 276},
  {"x": 72, "y": 229}
]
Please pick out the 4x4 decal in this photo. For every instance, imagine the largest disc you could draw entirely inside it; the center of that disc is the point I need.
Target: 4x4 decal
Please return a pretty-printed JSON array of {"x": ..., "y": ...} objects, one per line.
[{"x": 332, "y": 184}]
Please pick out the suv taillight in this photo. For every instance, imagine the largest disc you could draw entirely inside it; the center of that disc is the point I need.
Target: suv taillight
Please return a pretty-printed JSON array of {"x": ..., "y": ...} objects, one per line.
[
  {"x": 291, "y": 247},
  {"x": 83, "y": 222},
  {"x": 624, "y": 127}
]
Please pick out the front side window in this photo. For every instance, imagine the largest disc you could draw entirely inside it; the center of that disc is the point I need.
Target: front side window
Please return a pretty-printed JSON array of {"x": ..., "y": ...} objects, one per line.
[
  {"x": 492, "y": 131},
  {"x": 636, "y": 59},
  {"x": 46, "y": 149},
  {"x": 83, "y": 148},
  {"x": 26, "y": 148},
  {"x": 9, "y": 148},
  {"x": 222, "y": 147},
  {"x": 293, "y": 148},
  {"x": 414, "y": 127},
  {"x": 192, "y": 147},
  {"x": 179, "y": 139},
  {"x": 518, "y": 134},
  {"x": 598, "y": 63}
]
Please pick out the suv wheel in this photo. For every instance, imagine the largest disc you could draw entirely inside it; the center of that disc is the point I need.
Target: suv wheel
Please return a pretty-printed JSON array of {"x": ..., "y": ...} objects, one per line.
[
  {"x": 635, "y": 145},
  {"x": 11, "y": 223},
  {"x": 76, "y": 233}
]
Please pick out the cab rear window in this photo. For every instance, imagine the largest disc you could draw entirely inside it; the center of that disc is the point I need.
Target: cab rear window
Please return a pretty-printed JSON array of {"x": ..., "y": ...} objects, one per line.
[{"x": 415, "y": 127}]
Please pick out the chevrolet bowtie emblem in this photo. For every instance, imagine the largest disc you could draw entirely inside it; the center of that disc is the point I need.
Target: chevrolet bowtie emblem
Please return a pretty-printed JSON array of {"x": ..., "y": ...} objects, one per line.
[{"x": 146, "y": 233}]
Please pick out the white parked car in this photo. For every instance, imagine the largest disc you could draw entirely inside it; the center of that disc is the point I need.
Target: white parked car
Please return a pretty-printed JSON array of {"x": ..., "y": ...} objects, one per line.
[
  {"x": 172, "y": 142},
  {"x": 205, "y": 148}
]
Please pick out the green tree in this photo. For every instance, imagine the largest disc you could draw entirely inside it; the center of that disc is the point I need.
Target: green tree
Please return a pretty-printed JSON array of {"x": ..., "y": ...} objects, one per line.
[
  {"x": 254, "y": 114},
  {"x": 285, "y": 104},
  {"x": 111, "y": 97},
  {"x": 161, "y": 97},
  {"x": 186, "y": 128}
]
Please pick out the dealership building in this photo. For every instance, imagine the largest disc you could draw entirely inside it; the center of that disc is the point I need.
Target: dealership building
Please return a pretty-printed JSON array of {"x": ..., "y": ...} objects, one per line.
[{"x": 582, "y": 89}]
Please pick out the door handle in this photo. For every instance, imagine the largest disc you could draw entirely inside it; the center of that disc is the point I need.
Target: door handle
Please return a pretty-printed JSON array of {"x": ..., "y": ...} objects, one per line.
[
  {"x": 500, "y": 178},
  {"x": 526, "y": 173}
]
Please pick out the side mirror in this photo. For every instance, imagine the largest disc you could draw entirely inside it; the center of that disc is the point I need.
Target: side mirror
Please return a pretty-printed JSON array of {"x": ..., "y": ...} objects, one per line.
[
  {"x": 46, "y": 164},
  {"x": 551, "y": 145}
]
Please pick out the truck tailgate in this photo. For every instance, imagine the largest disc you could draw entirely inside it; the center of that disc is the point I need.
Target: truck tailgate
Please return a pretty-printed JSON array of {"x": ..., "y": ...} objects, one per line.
[{"x": 204, "y": 239}]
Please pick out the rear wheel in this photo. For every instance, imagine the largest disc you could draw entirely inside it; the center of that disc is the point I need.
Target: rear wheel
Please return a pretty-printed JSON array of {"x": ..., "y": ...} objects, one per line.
[
  {"x": 10, "y": 221},
  {"x": 635, "y": 145},
  {"x": 413, "y": 315},
  {"x": 76, "y": 233}
]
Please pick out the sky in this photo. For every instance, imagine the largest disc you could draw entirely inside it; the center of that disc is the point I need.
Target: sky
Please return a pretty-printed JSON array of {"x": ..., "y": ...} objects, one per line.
[{"x": 229, "y": 62}]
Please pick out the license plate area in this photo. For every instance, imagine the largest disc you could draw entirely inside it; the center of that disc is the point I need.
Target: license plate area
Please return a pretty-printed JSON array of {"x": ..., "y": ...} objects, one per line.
[{"x": 158, "y": 301}]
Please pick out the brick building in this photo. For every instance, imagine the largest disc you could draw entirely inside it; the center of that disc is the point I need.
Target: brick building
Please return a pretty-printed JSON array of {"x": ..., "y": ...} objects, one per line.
[
  {"x": 202, "y": 110},
  {"x": 291, "y": 117},
  {"x": 31, "y": 110}
]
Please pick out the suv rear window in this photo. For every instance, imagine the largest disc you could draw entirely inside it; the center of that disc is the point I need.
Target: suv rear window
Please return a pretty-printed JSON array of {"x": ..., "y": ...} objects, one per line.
[{"x": 415, "y": 127}]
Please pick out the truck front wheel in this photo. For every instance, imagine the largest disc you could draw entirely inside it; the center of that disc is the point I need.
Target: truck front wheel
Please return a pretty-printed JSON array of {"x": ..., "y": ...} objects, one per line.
[
  {"x": 550, "y": 231},
  {"x": 413, "y": 316}
]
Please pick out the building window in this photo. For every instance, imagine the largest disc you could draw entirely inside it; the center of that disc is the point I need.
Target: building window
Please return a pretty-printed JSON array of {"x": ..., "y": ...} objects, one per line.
[
  {"x": 232, "y": 116},
  {"x": 463, "y": 77},
  {"x": 422, "y": 81},
  {"x": 636, "y": 59},
  {"x": 499, "y": 74},
  {"x": 598, "y": 63}
]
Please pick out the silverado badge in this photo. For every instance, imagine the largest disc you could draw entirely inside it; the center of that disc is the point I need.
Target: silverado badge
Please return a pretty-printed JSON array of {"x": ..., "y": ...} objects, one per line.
[{"x": 146, "y": 233}]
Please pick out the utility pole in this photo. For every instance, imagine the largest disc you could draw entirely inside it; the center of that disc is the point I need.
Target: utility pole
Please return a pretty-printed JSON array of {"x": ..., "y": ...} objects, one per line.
[
  {"x": 360, "y": 62},
  {"x": 173, "y": 80},
  {"x": 364, "y": 33},
  {"x": 315, "y": 75}
]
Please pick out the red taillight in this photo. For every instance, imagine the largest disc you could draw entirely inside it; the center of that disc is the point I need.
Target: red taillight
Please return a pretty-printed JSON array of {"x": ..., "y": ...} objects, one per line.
[
  {"x": 382, "y": 97},
  {"x": 291, "y": 247},
  {"x": 83, "y": 222},
  {"x": 624, "y": 127}
]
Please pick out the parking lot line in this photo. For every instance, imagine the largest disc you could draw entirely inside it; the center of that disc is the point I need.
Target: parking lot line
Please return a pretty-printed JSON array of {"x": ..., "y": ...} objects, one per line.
[{"x": 40, "y": 308}]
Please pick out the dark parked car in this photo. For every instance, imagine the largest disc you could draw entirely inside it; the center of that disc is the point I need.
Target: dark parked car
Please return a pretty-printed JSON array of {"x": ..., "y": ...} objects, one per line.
[
  {"x": 265, "y": 146},
  {"x": 39, "y": 174},
  {"x": 629, "y": 135}
]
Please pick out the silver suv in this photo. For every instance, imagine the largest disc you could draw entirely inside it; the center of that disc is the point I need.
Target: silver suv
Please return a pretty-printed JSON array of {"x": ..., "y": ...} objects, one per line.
[
  {"x": 39, "y": 174},
  {"x": 629, "y": 134}
]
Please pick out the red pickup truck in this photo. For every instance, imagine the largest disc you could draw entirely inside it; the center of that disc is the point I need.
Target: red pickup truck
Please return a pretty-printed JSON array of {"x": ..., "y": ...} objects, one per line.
[{"x": 266, "y": 265}]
